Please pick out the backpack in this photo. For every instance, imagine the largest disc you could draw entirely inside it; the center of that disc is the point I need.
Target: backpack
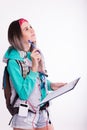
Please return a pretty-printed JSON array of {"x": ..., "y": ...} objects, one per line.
[{"x": 7, "y": 87}]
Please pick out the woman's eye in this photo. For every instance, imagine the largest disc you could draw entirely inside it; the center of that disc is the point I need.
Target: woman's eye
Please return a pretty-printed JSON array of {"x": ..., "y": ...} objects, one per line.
[
  {"x": 30, "y": 26},
  {"x": 26, "y": 29}
]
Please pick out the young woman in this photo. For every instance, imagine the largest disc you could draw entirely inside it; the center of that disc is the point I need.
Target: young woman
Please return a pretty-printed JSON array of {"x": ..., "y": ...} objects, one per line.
[{"x": 31, "y": 83}]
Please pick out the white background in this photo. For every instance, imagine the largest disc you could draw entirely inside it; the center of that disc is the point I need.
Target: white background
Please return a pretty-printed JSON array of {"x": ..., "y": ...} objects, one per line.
[{"x": 61, "y": 30}]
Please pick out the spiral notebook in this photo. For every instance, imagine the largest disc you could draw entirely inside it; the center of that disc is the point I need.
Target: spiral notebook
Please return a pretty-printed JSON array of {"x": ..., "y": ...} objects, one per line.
[{"x": 66, "y": 88}]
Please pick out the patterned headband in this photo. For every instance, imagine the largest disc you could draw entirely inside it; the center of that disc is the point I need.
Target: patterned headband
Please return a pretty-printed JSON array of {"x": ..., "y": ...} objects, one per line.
[{"x": 22, "y": 20}]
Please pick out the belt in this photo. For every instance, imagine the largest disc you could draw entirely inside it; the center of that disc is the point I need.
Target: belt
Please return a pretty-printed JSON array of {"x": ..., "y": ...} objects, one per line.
[
  {"x": 16, "y": 109},
  {"x": 44, "y": 106}
]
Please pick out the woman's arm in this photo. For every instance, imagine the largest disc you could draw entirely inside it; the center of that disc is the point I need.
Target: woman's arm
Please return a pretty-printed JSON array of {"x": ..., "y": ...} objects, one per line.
[
  {"x": 54, "y": 86},
  {"x": 23, "y": 86}
]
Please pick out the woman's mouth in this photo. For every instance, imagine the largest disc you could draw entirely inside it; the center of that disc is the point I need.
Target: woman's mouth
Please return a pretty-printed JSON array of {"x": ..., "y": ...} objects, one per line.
[{"x": 33, "y": 35}]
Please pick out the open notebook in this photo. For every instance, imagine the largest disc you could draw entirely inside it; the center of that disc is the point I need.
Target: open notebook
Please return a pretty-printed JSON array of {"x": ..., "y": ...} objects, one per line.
[{"x": 68, "y": 87}]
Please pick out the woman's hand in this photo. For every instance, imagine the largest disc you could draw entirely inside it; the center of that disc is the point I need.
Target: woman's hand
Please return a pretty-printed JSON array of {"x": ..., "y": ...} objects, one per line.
[
  {"x": 55, "y": 86},
  {"x": 41, "y": 67},
  {"x": 36, "y": 57}
]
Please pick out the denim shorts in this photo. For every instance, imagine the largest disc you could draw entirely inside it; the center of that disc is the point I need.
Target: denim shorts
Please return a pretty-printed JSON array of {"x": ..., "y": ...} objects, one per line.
[{"x": 33, "y": 120}]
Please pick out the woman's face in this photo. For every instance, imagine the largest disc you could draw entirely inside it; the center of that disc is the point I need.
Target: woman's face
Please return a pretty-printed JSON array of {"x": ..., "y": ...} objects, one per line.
[{"x": 27, "y": 34}]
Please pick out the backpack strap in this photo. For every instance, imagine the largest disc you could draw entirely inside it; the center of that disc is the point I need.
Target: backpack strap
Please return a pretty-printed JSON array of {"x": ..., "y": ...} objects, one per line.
[{"x": 24, "y": 68}]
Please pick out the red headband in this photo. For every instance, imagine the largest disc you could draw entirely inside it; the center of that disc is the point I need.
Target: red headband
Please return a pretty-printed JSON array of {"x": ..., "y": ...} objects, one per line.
[{"x": 21, "y": 21}]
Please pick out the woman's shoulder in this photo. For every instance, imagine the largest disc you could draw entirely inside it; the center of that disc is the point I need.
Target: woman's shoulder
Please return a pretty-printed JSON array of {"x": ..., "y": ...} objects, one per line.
[{"x": 12, "y": 54}]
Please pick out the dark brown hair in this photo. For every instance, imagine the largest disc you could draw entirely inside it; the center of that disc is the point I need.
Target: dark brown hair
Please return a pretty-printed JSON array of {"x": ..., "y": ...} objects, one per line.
[{"x": 15, "y": 35}]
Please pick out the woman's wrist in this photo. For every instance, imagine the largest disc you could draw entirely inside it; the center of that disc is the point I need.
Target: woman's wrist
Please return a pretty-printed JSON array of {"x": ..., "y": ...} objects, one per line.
[{"x": 34, "y": 69}]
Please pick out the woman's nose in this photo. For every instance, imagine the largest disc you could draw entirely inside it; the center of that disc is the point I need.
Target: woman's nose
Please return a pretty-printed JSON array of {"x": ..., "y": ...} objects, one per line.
[{"x": 32, "y": 30}]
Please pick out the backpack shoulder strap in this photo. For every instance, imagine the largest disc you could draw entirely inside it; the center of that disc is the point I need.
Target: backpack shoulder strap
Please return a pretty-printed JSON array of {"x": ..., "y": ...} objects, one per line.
[
  {"x": 20, "y": 64},
  {"x": 24, "y": 68}
]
